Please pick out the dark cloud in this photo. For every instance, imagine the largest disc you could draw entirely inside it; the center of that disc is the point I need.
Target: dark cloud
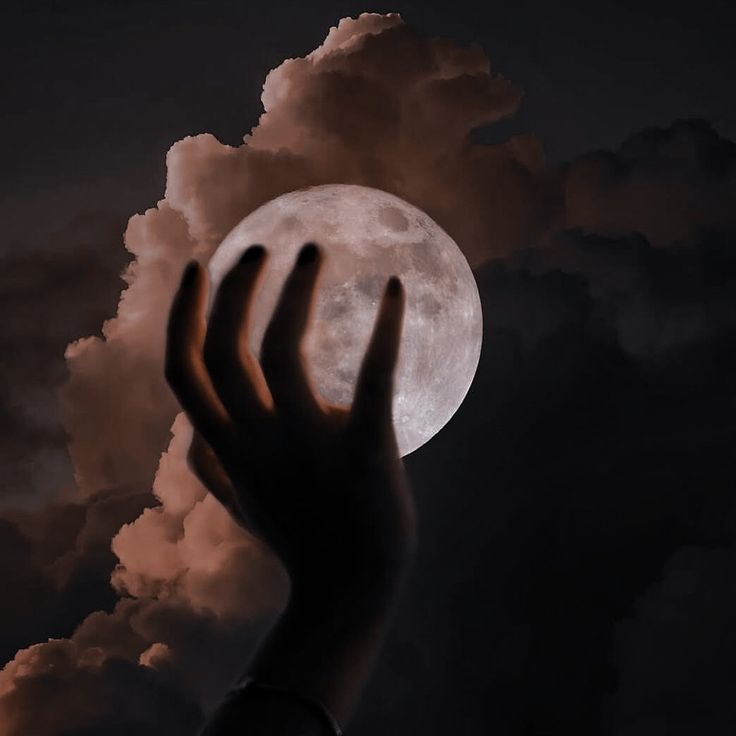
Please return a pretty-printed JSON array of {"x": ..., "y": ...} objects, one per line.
[
  {"x": 665, "y": 183},
  {"x": 56, "y": 564},
  {"x": 572, "y": 481},
  {"x": 675, "y": 652},
  {"x": 51, "y": 293}
]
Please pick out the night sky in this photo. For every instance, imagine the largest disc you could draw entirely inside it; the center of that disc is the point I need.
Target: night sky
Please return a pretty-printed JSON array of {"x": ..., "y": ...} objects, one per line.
[
  {"x": 578, "y": 520},
  {"x": 99, "y": 91}
]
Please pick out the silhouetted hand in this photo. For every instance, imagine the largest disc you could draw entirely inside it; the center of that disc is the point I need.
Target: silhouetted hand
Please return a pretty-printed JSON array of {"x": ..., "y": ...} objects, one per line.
[{"x": 323, "y": 486}]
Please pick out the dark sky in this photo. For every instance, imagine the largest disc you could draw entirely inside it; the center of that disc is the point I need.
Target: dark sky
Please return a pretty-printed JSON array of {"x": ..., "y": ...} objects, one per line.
[
  {"x": 577, "y": 519},
  {"x": 95, "y": 92}
]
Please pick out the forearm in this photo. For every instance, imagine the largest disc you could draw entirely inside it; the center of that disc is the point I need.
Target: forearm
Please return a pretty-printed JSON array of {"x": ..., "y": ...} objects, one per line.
[
  {"x": 325, "y": 644},
  {"x": 312, "y": 665}
]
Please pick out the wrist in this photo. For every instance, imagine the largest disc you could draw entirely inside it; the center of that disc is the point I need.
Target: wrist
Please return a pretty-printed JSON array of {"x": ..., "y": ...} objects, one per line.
[{"x": 327, "y": 637}]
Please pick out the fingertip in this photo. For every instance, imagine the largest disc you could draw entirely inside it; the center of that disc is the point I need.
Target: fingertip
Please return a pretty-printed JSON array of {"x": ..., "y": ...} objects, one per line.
[
  {"x": 190, "y": 273},
  {"x": 308, "y": 254},
  {"x": 394, "y": 287},
  {"x": 252, "y": 255}
]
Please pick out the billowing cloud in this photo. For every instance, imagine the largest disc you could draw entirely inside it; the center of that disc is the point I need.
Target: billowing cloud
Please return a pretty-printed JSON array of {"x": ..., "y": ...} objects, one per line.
[
  {"x": 189, "y": 549},
  {"x": 377, "y": 105},
  {"x": 405, "y": 127},
  {"x": 484, "y": 195},
  {"x": 61, "y": 687}
]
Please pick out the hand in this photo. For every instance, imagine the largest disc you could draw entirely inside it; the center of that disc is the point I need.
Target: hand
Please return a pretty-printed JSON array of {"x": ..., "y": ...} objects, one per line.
[{"x": 322, "y": 485}]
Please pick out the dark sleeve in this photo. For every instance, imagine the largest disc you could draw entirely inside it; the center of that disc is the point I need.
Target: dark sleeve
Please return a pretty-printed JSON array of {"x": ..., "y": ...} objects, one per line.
[{"x": 261, "y": 711}]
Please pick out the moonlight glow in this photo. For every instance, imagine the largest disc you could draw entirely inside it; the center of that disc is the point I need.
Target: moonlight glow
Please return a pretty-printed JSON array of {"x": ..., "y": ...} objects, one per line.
[{"x": 368, "y": 235}]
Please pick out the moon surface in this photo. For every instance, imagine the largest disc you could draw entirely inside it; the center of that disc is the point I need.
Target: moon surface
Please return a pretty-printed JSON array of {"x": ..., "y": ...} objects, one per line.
[{"x": 366, "y": 236}]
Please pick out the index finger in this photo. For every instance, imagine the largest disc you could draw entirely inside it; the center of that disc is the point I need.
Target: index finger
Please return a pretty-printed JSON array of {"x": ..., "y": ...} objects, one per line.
[{"x": 184, "y": 364}]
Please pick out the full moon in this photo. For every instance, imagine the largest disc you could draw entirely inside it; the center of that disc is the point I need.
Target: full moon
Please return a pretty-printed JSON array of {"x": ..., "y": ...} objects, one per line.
[{"x": 366, "y": 236}]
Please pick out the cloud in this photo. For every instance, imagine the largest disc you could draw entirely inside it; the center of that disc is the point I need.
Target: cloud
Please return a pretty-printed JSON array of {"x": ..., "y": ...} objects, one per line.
[
  {"x": 77, "y": 271},
  {"x": 665, "y": 183},
  {"x": 376, "y": 105},
  {"x": 116, "y": 408},
  {"x": 580, "y": 464},
  {"x": 183, "y": 559},
  {"x": 56, "y": 564},
  {"x": 676, "y": 652},
  {"x": 61, "y": 687},
  {"x": 188, "y": 549},
  {"x": 656, "y": 301}
]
